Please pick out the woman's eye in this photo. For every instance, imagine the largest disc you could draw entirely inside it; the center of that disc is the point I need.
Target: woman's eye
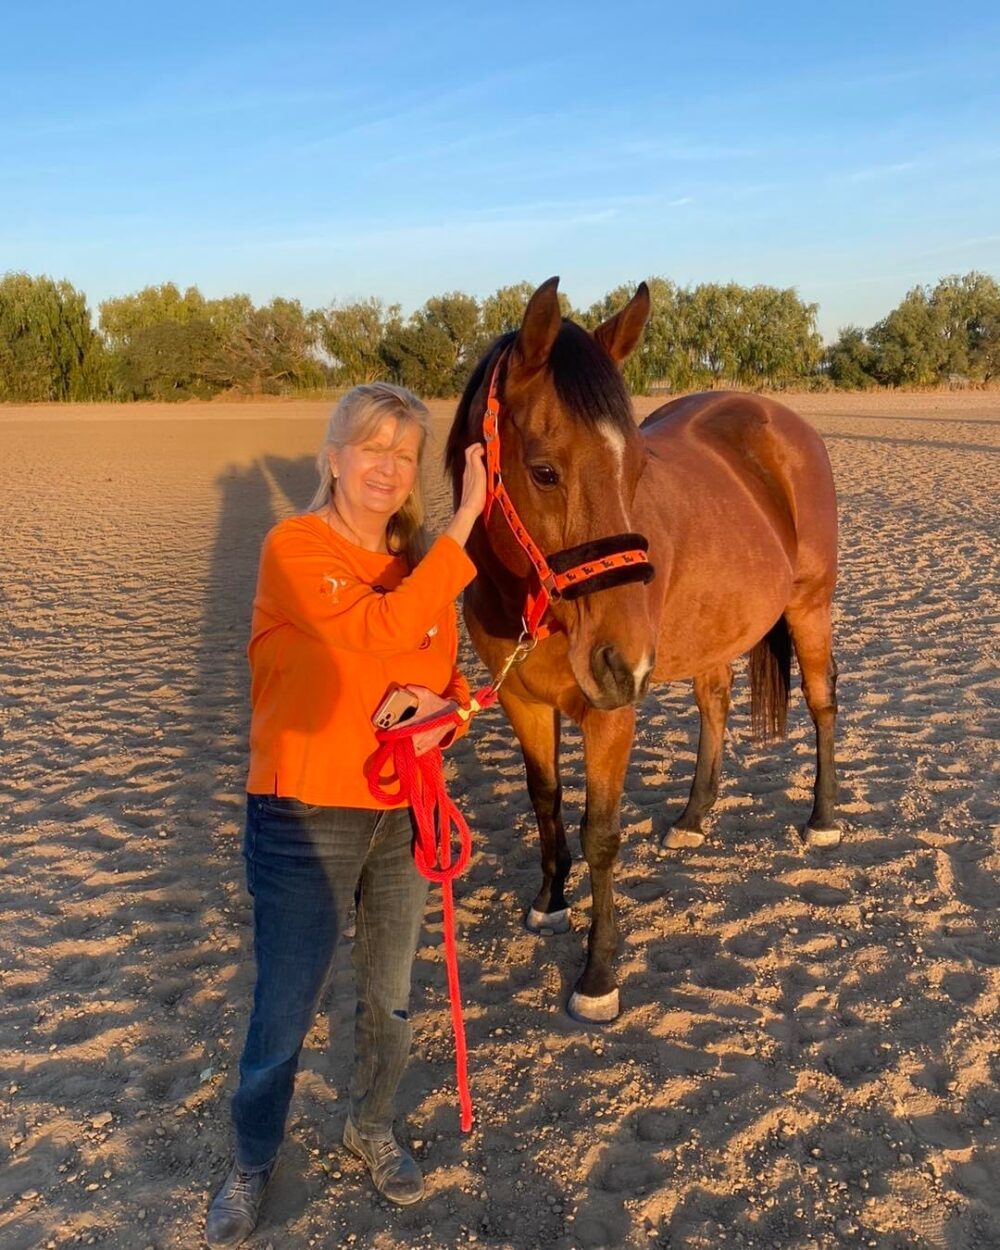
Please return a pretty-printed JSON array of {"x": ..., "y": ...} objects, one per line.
[{"x": 544, "y": 474}]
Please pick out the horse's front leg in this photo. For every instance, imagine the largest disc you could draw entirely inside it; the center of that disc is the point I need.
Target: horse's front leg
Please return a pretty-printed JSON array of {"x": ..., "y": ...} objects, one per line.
[
  {"x": 537, "y": 729},
  {"x": 607, "y": 741}
]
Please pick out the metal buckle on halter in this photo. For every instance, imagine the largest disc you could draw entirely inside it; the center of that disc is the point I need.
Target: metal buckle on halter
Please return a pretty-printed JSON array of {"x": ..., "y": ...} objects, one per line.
[
  {"x": 524, "y": 647},
  {"x": 525, "y": 642}
]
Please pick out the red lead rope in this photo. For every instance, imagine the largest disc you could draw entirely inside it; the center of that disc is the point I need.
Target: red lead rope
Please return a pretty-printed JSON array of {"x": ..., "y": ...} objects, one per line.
[{"x": 420, "y": 781}]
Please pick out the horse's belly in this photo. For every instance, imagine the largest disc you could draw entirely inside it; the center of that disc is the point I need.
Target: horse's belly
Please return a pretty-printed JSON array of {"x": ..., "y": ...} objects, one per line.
[{"x": 710, "y": 620}]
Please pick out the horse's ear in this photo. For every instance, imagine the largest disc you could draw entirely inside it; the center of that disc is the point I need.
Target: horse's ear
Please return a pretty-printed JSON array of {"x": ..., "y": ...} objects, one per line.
[
  {"x": 542, "y": 319},
  {"x": 620, "y": 333}
]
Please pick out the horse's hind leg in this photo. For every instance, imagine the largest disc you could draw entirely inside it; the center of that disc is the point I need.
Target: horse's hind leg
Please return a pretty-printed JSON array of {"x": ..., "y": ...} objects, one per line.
[
  {"x": 537, "y": 729},
  {"x": 812, "y": 636},
  {"x": 712, "y": 691},
  {"x": 607, "y": 741}
]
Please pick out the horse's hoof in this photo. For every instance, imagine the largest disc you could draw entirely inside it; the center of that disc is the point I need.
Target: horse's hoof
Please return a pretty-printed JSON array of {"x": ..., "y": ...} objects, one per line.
[
  {"x": 547, "y": 922},
  {"x": 589, "y": 1010},
  {"x": 676, "y": 838},
  {"x": 822, "y": 837}
]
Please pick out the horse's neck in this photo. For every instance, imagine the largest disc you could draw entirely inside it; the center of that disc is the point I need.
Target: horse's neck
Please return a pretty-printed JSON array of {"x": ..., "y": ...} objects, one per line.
[{"x": 497, "y": 596}]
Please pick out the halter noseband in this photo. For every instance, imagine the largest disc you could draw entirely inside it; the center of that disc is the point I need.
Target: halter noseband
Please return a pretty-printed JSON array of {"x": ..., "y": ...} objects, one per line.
[{"x": 580, "y": 570}]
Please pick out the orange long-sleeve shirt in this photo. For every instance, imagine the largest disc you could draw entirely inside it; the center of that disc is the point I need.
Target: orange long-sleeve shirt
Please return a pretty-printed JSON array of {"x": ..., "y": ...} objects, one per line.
[{"x": 333, "y": 627}]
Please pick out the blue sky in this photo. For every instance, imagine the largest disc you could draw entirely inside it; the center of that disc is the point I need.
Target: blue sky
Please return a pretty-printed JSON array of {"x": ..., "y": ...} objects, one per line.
[{"x": 404, "y": 150}]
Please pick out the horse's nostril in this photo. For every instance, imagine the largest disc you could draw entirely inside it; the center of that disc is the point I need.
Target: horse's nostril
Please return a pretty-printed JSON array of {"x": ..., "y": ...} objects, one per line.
[{"x": 610, "y": 670}]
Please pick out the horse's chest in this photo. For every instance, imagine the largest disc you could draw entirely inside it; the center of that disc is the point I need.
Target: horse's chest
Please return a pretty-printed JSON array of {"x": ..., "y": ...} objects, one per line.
[
  {"x": 547, "y": 678},
  {"x": 544, "y": 677}
]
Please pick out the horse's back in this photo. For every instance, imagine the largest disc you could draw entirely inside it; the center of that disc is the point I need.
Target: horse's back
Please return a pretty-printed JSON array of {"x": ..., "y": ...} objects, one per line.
[{"x": 739, "y": 420}]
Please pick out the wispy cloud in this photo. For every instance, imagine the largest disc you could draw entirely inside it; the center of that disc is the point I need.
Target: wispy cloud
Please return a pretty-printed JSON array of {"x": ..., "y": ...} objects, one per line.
[
  {"x": 876, "y": 171},
  {"x": 176, "y": 109},
  {"x": 692, "y": 150}
]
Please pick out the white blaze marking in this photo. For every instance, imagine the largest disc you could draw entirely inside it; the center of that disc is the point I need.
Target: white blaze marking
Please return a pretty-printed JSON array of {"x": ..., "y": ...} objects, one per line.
[{"x": 616, "y": 441}]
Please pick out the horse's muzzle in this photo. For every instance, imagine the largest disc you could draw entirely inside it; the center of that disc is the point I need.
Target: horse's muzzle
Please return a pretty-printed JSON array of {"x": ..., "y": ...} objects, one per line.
[{"x": 617, "y": 682}]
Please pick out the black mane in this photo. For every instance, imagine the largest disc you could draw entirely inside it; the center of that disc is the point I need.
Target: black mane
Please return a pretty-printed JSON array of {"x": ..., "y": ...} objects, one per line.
[{"x": 586, "y": 381}]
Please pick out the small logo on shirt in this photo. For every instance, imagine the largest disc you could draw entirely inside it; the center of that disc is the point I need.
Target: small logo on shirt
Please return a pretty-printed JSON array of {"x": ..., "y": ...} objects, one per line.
[
  {"x": 427, "y": 638},
  {"x": 333, "y": 586}
]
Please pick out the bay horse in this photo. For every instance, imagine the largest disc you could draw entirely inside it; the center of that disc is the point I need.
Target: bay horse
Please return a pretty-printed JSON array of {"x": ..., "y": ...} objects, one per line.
[{"x": 735, "y": 496}]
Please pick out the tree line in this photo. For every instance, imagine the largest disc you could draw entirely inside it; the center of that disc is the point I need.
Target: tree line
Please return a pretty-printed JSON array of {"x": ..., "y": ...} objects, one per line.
[{"x": 162, "y": 343}]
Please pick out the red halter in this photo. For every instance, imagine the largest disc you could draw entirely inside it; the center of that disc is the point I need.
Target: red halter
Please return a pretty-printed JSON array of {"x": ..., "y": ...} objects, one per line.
[{"x": 568, "y": 574}]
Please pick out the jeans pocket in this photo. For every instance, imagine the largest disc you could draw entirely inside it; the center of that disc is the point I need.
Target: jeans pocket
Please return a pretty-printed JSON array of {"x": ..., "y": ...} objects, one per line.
[{"x": 286, "y": 807}]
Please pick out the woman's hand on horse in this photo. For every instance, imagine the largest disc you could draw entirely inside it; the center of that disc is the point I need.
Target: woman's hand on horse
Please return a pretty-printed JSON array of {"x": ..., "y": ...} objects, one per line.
[
  {"x": 429, "y": 705},
  {"x": 473, "y": 498},
  {"x": 474, "y": 480}
]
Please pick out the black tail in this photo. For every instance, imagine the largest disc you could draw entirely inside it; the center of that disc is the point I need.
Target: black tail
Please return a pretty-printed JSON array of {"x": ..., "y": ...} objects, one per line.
[{"x": 770, "y": 674}]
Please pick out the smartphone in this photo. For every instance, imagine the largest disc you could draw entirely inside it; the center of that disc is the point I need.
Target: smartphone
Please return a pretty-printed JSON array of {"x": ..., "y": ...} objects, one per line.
[{"x": 398, "y": 705}]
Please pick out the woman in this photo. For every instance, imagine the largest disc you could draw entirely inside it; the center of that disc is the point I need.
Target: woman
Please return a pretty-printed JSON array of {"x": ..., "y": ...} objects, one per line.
[{"x": 348, "y": 605}]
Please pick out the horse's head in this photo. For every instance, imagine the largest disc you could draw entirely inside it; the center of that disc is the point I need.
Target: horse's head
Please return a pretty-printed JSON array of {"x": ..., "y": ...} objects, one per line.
[{"x": 571, "y": 457}]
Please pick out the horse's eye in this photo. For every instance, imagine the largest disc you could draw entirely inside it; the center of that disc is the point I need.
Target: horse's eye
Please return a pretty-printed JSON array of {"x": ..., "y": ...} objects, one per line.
[{"x": 544, "y": 474}]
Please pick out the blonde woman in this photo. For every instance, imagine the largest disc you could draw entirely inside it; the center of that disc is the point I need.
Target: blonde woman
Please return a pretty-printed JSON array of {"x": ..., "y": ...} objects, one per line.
[{"x": 351, "y": 602}]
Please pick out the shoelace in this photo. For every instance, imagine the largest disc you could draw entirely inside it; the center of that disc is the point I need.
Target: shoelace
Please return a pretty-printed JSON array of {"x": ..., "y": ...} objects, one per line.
[
  {"x": 242, "y": 1184},
  {"x": 386, "y": 1153}
]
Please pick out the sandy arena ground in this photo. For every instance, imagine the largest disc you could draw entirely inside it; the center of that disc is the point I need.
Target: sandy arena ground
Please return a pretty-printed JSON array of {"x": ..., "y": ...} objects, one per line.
[{"x": 809, "y": 1050}]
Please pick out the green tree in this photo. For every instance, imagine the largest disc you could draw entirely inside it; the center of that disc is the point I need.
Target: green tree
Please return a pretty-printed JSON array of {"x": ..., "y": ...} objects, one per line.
[
  {"x": 168, "y": 344},
  {"x": 48, "y": 347},
  {"x": 433, "y": 352},
  {"x": 966, "y": 317},
  {"x": 420, "y": 357},
  {"x": 710, "y": 325},
  {"x": 775, "y": 337},
  {"x": 850, "y": 362},
  {"x": 228, "y": 314},
  {"x": 906, "y": 348},
  {"x": 125, "y": 315},
  {"x": 503, "y": 311},
  {"x": 169, "y": 360},
  {"x": 352, "y": 336},
  {"x": 456, "y": 316},
  {"x": 268, "y": 351}
]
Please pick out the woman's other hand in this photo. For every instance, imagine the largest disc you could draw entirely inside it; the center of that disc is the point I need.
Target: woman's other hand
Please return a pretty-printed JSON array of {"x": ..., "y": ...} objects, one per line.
[{"x": 429, "y": 705}]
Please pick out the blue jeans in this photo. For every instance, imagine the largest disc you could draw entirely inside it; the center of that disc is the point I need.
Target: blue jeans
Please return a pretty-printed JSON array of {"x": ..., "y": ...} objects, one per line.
[{"x": 305, "y": 866}]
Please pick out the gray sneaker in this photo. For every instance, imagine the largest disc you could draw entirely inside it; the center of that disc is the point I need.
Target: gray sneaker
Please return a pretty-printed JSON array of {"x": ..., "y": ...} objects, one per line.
[
  {"x": 232, "y": 1217},
  {"x": 394, "y": 1171}
]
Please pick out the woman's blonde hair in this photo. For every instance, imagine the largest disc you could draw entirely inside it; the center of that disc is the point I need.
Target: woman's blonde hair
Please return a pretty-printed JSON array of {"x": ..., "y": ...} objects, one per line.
[{"x": 357, "y": 416}]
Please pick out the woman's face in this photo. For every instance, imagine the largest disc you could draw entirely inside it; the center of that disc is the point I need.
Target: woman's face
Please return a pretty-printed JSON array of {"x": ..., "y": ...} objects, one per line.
[{"x": 377, "y": 474}]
